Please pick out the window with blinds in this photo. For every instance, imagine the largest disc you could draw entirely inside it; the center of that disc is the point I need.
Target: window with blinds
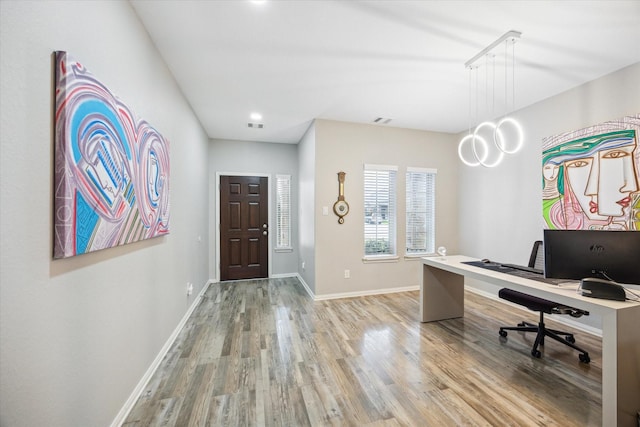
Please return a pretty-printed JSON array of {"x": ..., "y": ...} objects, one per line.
[
  {"x": 379, "y": 210},
  {"x": 420, "y": 231},
  {"x": 283, "y": 211}
]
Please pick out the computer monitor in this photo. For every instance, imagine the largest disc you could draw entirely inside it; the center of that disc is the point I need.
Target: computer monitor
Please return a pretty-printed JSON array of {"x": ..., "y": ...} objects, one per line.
[{"x": 579, "y": 254}]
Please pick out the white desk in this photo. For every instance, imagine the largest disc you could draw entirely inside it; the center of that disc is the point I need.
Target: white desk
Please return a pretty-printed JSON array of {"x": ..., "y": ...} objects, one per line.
[{"x": 442, "y": 297}]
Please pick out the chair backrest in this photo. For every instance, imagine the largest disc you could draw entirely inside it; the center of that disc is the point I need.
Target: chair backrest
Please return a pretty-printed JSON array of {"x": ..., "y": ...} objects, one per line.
[{"x": 536, "y": 260}]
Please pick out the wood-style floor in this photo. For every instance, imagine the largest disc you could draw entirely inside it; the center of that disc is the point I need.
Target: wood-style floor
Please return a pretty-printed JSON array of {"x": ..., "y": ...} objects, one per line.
[{"x": 262, "y": 353}]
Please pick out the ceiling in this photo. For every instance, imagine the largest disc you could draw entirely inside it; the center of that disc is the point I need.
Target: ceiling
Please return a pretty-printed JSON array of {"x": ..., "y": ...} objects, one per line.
[{"x": 356, "y": 61}]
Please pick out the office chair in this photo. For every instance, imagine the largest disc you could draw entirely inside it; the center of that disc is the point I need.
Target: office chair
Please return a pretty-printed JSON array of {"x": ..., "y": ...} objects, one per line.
[{"x": 543, "y": 306}]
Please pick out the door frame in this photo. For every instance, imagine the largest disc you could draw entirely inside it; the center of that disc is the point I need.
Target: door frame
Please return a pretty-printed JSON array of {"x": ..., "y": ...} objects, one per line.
[{"x": 217, "y": 223}]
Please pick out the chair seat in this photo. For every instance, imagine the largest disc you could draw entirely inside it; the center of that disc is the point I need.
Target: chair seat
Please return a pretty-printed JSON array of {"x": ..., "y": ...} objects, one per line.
[{"x": 540, "y": 304}]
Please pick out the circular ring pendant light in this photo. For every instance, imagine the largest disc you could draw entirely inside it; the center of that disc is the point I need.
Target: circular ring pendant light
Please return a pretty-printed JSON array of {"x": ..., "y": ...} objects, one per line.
[
  {"x": 500, "y": 141},
  {"x": 500, "y": 155},
  {"x": 473, "y": 138},
  {"x": 479, "y": 147}
]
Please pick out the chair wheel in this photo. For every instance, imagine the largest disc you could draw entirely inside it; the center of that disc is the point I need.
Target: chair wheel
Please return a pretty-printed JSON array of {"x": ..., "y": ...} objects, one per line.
[
  {"x": 570, "y": 339},
  {"x": 584, "y": 358},
  {"x": 536, "y": 353},
  {"x": 503, "y": 333}
]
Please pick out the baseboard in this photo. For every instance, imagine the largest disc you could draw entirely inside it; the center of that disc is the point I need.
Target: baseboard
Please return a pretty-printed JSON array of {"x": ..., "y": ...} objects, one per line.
[
  {"x": 366, "y": 293},
  {"x": 305, "y": 286},
  {"x": 560, "y": 319},
  {"x": 142, "y": 384},
  {"x": 284, "y": 276},
  {"x": 344, "y": 294}
]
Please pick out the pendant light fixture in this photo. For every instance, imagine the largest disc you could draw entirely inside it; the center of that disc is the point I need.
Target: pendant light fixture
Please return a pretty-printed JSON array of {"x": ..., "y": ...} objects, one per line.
[{"x": 488, "y": 143}]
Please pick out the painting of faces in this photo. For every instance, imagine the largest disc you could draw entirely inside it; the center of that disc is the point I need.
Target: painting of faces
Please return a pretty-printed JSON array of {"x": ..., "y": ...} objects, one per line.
[{"x": 591, "y": 177}]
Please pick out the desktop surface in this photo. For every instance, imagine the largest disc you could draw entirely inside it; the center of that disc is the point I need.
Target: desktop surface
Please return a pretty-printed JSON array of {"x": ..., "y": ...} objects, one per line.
[
  {"x": 591, "y": 287},
  {"x": 568, "y": 295}
]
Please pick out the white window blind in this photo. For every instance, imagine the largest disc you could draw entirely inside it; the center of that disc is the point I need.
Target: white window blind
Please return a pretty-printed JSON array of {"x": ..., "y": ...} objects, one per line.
[
  {"x": 420, "y": 232},
  {"x": 379, "y": 210},
  {"x": 283, "y": 211}
]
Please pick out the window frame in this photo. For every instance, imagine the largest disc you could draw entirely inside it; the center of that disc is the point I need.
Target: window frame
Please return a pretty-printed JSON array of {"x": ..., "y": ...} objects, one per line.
[
  {"x": 390, "y": 213},
  {"x": 283, "y": 207},
  {"x": 428, "y": 210}
]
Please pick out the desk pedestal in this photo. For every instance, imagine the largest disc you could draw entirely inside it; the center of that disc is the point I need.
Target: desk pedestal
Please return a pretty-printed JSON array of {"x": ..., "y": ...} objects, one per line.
[{"x": 441, "y": 295}]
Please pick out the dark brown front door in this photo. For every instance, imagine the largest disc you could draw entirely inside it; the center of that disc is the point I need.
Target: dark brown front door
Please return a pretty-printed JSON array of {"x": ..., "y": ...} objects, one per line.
[{"x": 244, "y": 232}]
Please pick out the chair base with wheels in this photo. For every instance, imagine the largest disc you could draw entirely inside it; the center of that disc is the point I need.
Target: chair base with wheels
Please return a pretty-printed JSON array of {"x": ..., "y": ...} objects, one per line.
[{"x": 543, "y": 306}]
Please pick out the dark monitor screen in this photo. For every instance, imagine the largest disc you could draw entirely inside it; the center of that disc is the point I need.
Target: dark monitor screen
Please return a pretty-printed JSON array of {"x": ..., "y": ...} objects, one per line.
[{"x": 578, "y": 254}]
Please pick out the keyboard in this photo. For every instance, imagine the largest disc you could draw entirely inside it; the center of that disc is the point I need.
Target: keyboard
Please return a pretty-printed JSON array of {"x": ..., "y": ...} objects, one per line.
[{"x": 523, "y": 268}]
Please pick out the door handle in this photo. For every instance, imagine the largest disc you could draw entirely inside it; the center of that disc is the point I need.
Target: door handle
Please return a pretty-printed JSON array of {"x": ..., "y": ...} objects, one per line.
[
  {"x": 265, "y": 225},
  {"x": 265, "y": 232}
]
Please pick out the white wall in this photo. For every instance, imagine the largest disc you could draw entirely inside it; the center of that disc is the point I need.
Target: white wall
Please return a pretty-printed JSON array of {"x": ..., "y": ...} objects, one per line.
[
  {"x": 500, "y": 213},
  {"x": 78, "y": 334},
  {"x": 260, "y": 158},
  {"x": 347, "y": 147},
  {"x": 501, "y": 208},
  {"x": 307, "y": 208}
]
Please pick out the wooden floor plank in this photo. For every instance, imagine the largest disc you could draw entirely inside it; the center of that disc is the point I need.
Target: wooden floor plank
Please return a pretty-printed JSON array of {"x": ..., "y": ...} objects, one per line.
[{"x": 262, "y": 353}]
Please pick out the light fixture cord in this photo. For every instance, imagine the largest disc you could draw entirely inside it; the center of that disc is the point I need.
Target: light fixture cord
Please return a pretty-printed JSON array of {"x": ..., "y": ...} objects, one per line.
[
  {"x": 477, "y": 114},
  {"x": 513, "y": 73},
  {"x": 493, "y": 86},
  {"x": 486, "y": 84},
  {"x": 469, "y": 108},
  {"x": 506, "y": 93}
]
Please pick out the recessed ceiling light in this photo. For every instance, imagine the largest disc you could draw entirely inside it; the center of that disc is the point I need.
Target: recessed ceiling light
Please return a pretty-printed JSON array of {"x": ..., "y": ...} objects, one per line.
[{"x": 256, "y": 116}]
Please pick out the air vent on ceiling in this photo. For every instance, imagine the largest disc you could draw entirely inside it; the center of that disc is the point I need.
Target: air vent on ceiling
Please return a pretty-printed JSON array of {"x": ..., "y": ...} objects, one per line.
[
  {"x": 255, "y": 125},
  {"x": 382, "y": 121}
]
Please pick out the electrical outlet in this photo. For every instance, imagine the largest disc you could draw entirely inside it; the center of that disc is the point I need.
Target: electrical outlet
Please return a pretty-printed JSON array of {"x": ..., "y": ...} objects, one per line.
[
  {"x": 189, "y": 288},
  {"x": 303, "y": 265},
  {"x": 347, "y": 274}
]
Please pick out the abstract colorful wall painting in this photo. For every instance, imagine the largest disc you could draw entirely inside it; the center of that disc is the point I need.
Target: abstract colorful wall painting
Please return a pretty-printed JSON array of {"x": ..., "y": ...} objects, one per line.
[
  {"x": 591, "y": 177},
  {"x": 111, "y": 182}
]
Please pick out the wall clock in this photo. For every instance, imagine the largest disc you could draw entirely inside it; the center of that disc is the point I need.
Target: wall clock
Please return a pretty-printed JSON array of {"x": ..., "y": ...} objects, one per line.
[{"x": 341, "y": 207}]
